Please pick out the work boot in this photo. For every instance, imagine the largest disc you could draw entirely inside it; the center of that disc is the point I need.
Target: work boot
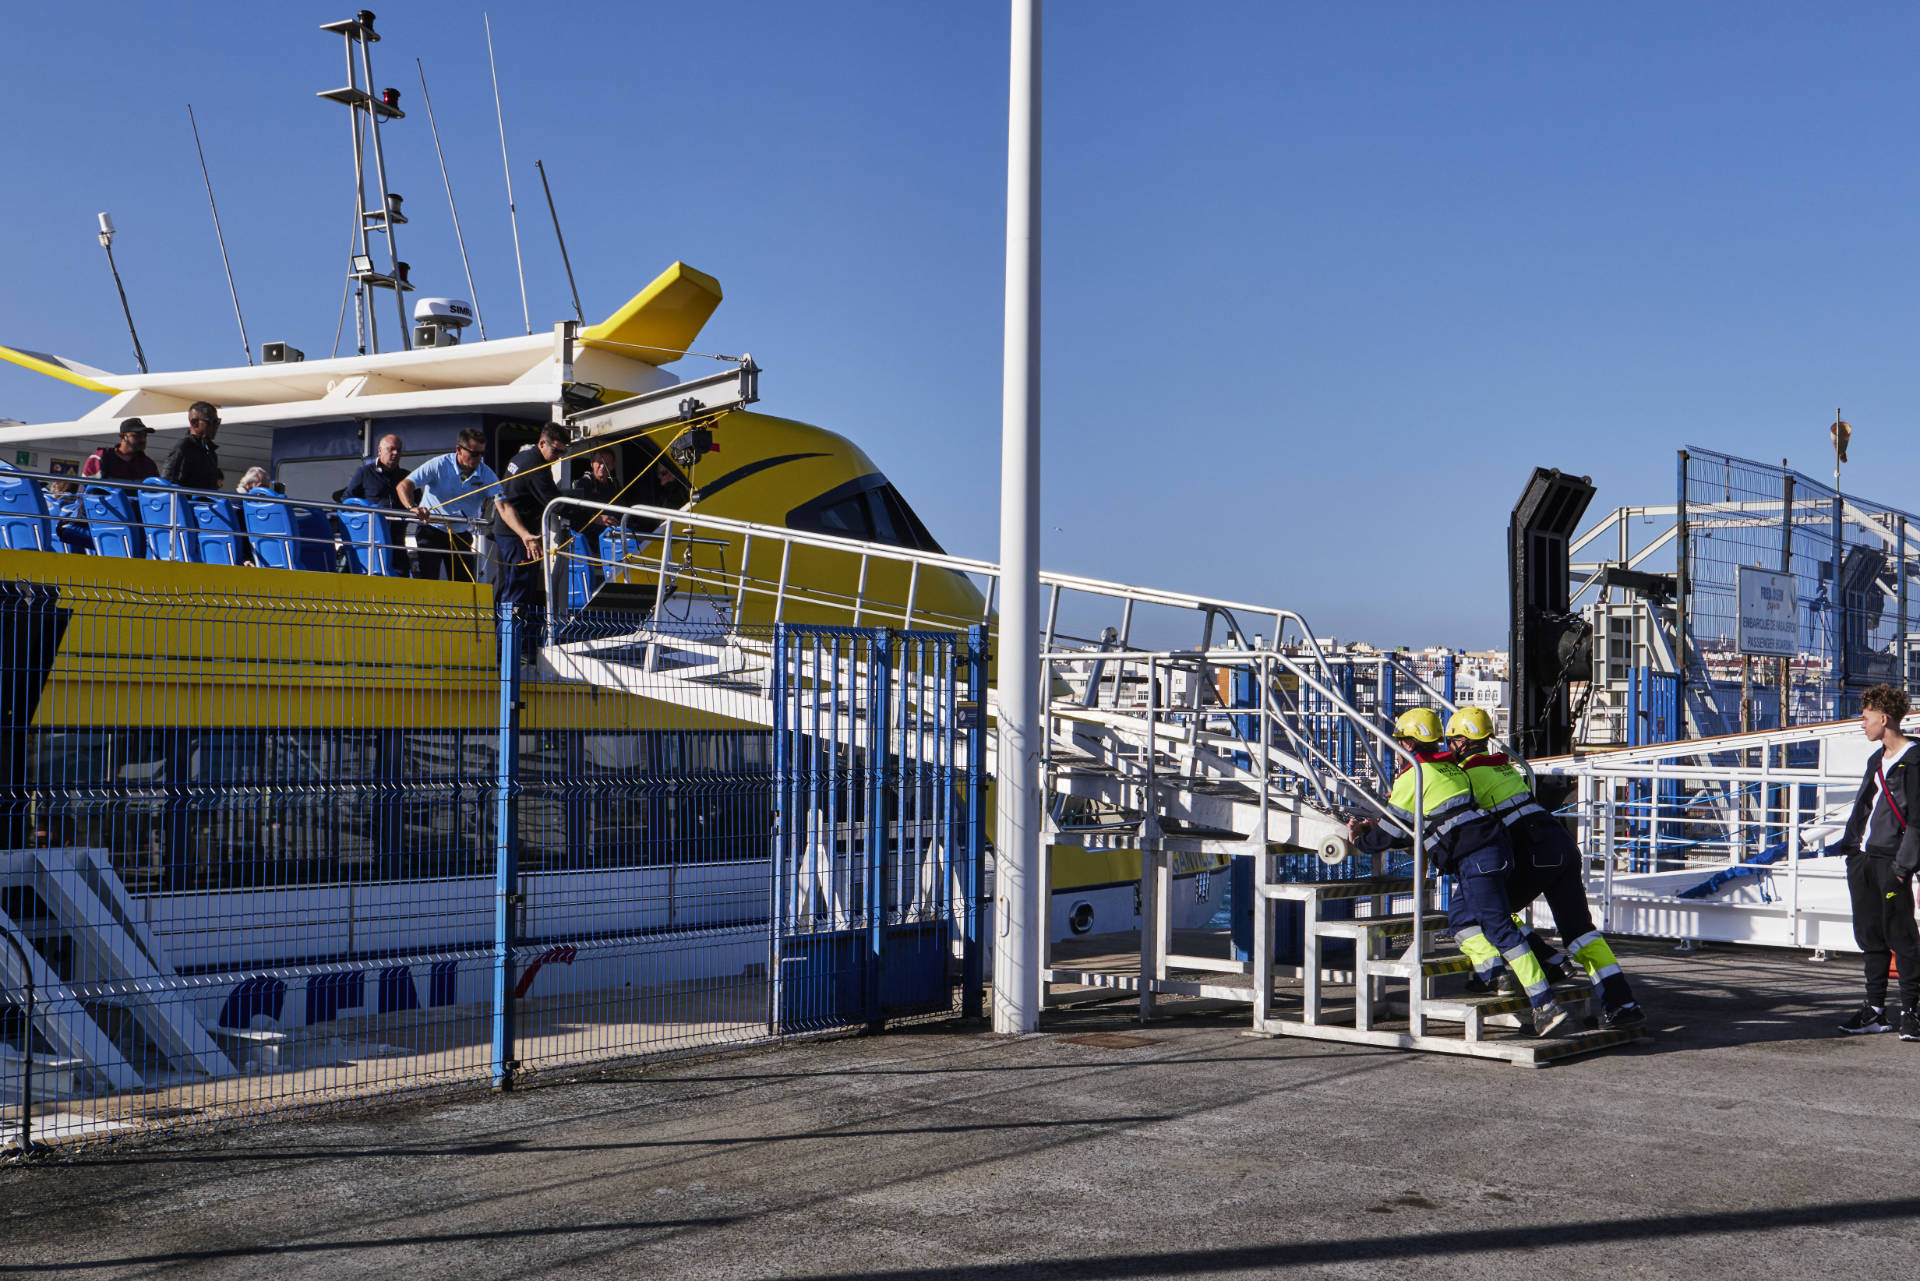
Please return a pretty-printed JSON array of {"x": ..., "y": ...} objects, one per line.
[
  {"x": 1551, "y": 1019},
  {"x": 1910, "y": 1024},
  {"x": 1623, "y": 1017},
  {"x": 1868, "y": 1018},
  {"x": 1557, "y": 972}
]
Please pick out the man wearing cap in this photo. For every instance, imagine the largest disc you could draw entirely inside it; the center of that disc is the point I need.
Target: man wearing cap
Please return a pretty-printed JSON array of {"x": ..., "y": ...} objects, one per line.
[
  {"x": 127, "y": 461},
  {"x": 195, "y": 461}
]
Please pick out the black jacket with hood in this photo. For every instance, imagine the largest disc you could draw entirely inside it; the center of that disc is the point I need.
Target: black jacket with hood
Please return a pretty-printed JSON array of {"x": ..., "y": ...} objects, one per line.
[{"x": 1880, "y": 830}]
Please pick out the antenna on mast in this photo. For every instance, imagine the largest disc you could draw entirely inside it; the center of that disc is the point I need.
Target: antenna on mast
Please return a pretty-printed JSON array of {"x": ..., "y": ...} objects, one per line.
[
  {"x": 500, "y": 118},
  {"x": 564, "y": 260},
  {"x": 218, "y": 235},
  {"x": 106, "y": 243},
  {"x": 472, "y": 293},
  {"x": 377, "y": 106}
]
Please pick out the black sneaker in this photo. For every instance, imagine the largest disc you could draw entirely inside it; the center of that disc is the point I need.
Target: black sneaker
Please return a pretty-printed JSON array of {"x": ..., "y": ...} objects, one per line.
[
  {"x": 1557, "y": 973},
  {"x": 1630, "y": 1015},
  {"x": 1910, "y": 1024},
  {"x": 1868, "y": 1018},
  {"x": 1507, "y": 983},
  {"x": 1477, "y": 986},
  {"x": 1551, "y": 1019}
]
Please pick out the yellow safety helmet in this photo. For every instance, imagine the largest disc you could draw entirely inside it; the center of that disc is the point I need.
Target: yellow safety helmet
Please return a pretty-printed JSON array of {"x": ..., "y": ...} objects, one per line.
[
  {"x": 1470, "y": 722},
  {"x": 1421, "y": 724}
]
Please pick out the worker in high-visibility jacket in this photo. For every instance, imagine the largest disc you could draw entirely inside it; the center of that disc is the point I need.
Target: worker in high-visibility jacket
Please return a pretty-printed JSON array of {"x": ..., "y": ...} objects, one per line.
[
  {"x": 1466, "y": 841},
  {"x": 1546, "y": 860}
]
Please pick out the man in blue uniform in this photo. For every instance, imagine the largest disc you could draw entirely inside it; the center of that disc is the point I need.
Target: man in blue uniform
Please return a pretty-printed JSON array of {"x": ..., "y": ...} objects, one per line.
[
  {"x": 1546, "y": 860},
  {"x": 516, "y": 565},
  {"x": 1466, "y": 841}
]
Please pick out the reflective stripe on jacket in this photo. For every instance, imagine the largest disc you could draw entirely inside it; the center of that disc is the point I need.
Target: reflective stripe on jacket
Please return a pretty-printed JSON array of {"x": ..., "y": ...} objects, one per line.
[
  {"x": 1501, "y": 787},
  {"x": 1456, "y": 826}
]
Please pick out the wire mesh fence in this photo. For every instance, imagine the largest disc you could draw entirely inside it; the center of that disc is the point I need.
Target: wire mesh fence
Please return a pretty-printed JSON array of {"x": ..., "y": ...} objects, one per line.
[
  {"x": 341, "y": 838},
  {"x": 1849, "y": 560}
]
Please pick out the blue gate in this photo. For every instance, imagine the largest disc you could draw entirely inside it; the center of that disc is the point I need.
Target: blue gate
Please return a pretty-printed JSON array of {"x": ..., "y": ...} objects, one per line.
[{"x": 878, "y": 852}]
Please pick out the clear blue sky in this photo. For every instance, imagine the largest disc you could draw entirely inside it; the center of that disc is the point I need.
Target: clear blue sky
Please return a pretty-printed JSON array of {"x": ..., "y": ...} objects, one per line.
[{"x": 1322, "y": 282}]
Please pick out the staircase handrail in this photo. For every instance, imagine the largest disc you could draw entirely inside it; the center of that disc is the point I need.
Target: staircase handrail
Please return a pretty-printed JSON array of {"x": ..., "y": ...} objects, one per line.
[
  {"x": 667, "y": 518},
  {"x": 1240, "y": 657}
]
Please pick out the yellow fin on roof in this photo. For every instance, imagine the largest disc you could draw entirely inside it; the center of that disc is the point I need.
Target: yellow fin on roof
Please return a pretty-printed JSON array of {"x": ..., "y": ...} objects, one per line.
[
  {"x": 660, "y": 322},
  {"x": 72, "y": 371}
]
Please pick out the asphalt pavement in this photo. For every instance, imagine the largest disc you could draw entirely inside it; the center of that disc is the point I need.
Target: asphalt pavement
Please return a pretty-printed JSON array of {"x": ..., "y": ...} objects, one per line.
[{"x": 1746, "y": 1140}]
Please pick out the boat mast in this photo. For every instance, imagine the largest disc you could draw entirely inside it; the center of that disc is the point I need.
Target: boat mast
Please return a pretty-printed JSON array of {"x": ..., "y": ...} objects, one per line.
[
  {"x": 106, "y": 243},
  {"x": 360, "y": 36}
]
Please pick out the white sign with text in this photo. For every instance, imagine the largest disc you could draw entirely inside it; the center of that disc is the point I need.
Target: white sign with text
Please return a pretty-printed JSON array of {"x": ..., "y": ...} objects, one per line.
[{"x": 1769, "y": 613}]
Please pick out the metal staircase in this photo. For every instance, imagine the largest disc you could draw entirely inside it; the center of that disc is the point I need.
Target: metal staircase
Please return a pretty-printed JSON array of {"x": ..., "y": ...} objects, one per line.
[
  {"x": 1250, "y": 741},
  {"x": 106, "y": 1004}
]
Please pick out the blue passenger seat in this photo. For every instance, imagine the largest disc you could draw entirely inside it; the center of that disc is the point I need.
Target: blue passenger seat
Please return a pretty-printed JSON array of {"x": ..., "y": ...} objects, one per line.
[
  {"x": 69, "y": 524},
  {"x": 217, "y": 530},
  {"x": 114, "y": 519},
  {"x": 369, "y": 539},
  {"x": 169, "y": 518},
  {"x": 616, "y": 544},
  {"x": 582, "y": 574},
  {"x": 24, "y": 526},
  {"x": 288, "y": 537}
]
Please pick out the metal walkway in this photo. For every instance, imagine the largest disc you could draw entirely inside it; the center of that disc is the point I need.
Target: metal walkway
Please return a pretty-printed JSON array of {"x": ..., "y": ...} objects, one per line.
[{"x": 1246, "y": 740}]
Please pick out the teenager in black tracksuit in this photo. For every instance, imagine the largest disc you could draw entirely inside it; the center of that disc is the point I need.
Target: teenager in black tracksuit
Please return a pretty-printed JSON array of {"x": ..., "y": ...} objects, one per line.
[{"x": 1883, "y": 852}]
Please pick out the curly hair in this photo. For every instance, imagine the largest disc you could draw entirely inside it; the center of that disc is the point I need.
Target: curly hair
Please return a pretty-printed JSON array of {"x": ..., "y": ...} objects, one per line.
[{"x": 1890, "y": 699}]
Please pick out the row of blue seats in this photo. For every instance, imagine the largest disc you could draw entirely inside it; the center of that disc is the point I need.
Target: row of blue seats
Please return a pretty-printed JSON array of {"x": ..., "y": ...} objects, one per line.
[{"x": 161, "y": 521}]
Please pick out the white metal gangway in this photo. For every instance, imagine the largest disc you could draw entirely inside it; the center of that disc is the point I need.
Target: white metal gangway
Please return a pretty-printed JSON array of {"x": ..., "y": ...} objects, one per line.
[
  {"x": 693, "y": 604},
  {"x": 1240, "y": 742}
]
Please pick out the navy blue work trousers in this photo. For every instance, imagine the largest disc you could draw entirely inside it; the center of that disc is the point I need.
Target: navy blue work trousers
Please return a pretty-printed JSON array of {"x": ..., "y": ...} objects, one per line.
[
  {"x": 1546, "y": 863},
  {"x": 1483, "y": 893}
]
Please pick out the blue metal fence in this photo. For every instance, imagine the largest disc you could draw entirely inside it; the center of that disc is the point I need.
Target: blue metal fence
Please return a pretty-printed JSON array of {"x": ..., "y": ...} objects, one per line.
[
  {"x": 879, "y": 848},
  {"x": 332, "y": 838}
]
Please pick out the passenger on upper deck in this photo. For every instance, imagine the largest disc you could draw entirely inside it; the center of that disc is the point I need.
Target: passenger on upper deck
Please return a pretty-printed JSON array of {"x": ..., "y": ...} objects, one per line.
[
  {"x": 195, "y": 461},
  {"x": 128, "y": 460},
  {"x": 597, "y": 486},
  {"x": 63, "y": 501},
  {"x": 377, "y": 481},
  {"x": 660, "y": 487},
  {"x": 514, "y": 563},
  {"x": 448, "y": 487}
]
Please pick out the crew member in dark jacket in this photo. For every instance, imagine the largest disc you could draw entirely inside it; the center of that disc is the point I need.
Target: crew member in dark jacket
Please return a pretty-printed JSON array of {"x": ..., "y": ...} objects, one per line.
[
  {"x": 377, "y": 481},
  {"x": 1883, "y": 852},
  {"x": 516, "y": 565},
  {"x": 195, "y": 461}
]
